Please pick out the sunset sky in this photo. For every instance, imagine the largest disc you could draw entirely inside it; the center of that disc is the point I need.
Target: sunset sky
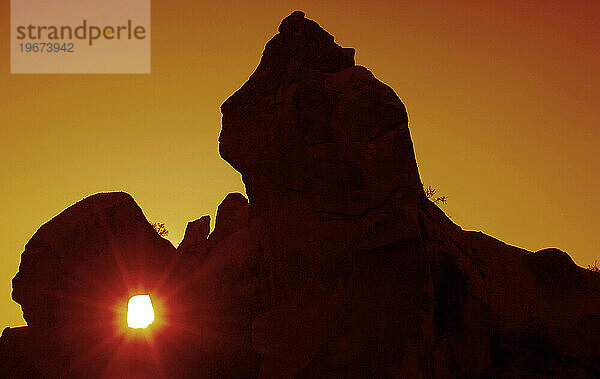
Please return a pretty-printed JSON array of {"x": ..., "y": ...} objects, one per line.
[{"x": 503, "y": 100}]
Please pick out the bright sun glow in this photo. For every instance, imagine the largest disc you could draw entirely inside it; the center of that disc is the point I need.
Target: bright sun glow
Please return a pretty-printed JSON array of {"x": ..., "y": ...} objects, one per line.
[{"x": 140, "y": 313}]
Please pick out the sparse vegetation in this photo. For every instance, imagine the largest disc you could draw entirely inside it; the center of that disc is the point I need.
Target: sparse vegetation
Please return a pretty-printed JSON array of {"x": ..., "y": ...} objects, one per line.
[
  {"x": 160, "y": 228},
  {"x": 430, "y": 192}
]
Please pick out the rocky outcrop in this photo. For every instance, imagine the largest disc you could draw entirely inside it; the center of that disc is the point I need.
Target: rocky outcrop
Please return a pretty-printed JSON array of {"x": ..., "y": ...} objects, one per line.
[
  {"x": 195, "y": 239},
  {"x": 326, "y": 156},
  {"x": 80, "y": 268},
  {"x": 77, "y": 263},
  {"x": 367, "y": 278},
  {"x": 76, "y": 273},
  {"x": 232, "y": 215},
  {"x": 311, "y": 125},
  {"x": 337, "y": 265},
  {"x": 217, "y": 297}
]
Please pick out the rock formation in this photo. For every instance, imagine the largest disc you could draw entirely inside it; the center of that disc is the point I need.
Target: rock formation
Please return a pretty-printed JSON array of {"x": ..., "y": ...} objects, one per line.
[
  {"x": 196, "y": 237},
  {"x": 95, "y": 249},
  {"x": 215, "y": 292},
  {"x": 366, "y": 276},
  {"x": 337, "y": 265},
  {"x": 80, "y": 268},
  {"x": 232, "y": 215},
  {"x": 74, "y": 272}
]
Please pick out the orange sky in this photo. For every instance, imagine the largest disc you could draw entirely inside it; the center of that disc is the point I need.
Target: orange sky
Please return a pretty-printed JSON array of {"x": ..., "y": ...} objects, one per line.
[{"x": 502, "y": 99}]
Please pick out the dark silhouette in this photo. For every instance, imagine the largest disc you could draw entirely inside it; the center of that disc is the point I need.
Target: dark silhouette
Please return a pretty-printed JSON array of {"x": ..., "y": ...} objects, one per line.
[{"x": 337, "y": 265}]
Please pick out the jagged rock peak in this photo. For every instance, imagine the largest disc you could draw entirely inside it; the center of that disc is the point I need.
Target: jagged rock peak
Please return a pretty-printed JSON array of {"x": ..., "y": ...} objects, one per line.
[
  {"x": 196, "y": 235},
  {"x": 302, "y": 39},
  {"x": 232, "y": 215},
  {"x": 308, "y": 121},
  {"x": 199, "y": 229}
]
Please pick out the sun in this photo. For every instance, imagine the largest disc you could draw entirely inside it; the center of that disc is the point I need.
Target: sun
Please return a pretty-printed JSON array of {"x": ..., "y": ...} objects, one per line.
[{"x": 140, "y": 312}]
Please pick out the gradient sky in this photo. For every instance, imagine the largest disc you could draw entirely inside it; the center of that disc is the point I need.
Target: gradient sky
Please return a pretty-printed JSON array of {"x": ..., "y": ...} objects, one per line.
[{"x": 503, "y": 100}]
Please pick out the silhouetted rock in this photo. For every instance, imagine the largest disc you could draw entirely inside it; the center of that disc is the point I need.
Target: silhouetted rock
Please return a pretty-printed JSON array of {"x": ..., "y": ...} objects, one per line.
[
  {"x": 326, "y": 156},
  {"x": 18, "y": 356},
  {"x": 336, "y": 266},
  {"x": 217, "y": 298},
  {"x": 76, "y": 272},
  {"x": 75, "y": 265},
  {"x": 195, "y": 240},
  {"x": 366, "y": 277},
  {"x": 79, "y": 269},
  {"x": 232, "y": 215}
]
